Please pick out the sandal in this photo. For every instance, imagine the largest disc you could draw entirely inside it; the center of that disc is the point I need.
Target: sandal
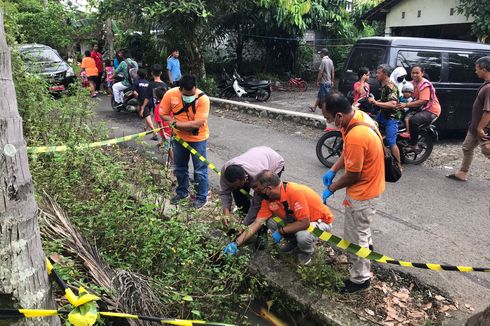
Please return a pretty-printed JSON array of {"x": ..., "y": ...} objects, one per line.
[
  {"x": 312, "y": 109},
  {"x": 454, "y": 177}
]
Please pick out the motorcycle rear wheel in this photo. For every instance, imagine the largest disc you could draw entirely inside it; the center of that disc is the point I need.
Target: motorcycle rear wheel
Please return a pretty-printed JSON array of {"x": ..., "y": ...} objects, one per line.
[
  {"x": 329, "y": 147},
  {"x": 263, "y": 95},
  {"x": 425, "y": 143},
  {"x": 303, "y": 86},
  {"x": 228, "y": 94}
]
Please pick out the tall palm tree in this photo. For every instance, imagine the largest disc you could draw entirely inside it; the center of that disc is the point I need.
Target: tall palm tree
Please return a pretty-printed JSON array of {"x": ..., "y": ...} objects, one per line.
[{"x": 23, "y": 278}]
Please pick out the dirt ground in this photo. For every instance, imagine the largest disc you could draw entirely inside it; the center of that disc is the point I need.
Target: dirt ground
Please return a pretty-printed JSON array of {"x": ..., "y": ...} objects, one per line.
[{"x": 447, "y": 154}]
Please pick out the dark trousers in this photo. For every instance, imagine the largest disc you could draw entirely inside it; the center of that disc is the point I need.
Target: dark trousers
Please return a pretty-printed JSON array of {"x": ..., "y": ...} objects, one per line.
[
  {"x": 419, "y": 119},
  {"x": 98, "y": 81},
  {"x": 242, "y": 201}
]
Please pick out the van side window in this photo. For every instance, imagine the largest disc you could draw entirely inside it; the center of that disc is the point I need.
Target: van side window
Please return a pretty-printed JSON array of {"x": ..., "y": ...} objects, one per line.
[
  {"x": 462, "y": 67},
  {"x": 365, "y": 57},
  {"x": 431, "y": 61}
]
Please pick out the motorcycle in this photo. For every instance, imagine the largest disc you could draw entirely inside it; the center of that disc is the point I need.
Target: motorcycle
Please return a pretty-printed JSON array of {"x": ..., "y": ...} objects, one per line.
[
  {"x": 236, "y": 86},
  {"x": 330, "y": 145},
  {"x": 129, "y": 104}
]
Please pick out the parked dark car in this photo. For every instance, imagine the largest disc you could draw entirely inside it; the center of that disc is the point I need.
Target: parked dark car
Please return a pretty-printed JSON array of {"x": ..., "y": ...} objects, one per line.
[
  {"x": 450, "y": 66},
  {"x": 46, "y": 61}
]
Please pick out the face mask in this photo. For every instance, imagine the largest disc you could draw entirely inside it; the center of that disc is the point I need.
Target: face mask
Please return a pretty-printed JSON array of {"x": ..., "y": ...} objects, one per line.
[{"x": 188, "y": 99}]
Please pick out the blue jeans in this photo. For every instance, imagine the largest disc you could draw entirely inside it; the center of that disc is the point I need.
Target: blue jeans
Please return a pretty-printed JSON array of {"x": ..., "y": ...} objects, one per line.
[
  {"x": 391, "y": 128},
  {"x": 323, "y": 91},
  {"x": 181, "y": 170}
]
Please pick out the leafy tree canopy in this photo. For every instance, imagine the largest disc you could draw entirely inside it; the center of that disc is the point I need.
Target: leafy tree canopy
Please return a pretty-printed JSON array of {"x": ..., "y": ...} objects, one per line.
[{"x": 480, "y": 10}]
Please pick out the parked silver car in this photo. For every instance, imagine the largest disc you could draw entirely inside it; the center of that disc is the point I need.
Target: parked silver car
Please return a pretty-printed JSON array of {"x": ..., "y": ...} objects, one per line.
[{"x": 46, "y": 61}]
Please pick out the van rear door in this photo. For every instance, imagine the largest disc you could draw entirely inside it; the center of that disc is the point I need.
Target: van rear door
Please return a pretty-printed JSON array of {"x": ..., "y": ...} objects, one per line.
[
  {"x": 461, "y": 87},
  {"x": 363, "y": 55}
]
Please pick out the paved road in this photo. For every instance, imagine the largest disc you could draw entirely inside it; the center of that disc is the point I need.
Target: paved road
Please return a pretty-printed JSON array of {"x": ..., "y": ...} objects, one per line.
[{"x": 424, "y": 217}]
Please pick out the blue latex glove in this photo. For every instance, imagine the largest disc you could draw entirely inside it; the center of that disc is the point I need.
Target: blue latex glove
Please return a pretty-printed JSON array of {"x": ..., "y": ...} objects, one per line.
[
  {"x": 326, "y": 193},
  {"x": 231, "y": 248},
  {"x": 328, "y": 178},
  {"x": 277, "y": 236}
]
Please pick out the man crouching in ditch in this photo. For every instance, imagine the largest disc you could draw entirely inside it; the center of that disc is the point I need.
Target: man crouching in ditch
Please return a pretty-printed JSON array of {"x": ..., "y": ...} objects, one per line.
[{"x": 298, "y": 206}]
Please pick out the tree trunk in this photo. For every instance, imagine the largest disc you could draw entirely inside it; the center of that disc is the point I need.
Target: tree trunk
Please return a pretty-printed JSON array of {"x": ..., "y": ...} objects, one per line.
[
  {"x": 109, "y": 40},
  {"x": 239, "y": 47},
  {"x": 198, "y": 60},
  {"x": 23, "y": 277}
]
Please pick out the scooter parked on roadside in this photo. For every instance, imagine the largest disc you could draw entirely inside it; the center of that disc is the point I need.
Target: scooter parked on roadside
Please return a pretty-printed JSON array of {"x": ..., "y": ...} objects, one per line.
[{"x": 236, "y": 86}]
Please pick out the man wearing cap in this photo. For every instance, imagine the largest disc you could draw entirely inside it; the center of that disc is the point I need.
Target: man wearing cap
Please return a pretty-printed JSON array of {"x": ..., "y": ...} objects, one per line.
[{"x": 324, "y": 79}]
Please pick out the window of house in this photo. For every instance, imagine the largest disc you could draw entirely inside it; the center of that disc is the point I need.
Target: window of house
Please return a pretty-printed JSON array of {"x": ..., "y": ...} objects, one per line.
[
  {"x": 419, "y": 13},
  {"x": 462, "y": 67},
  {"x": 431, "y": 61},
  {"x": 366, "y": 57},
  {"x": 451, "y": 12},
  {"x": 403, "y": 15}
]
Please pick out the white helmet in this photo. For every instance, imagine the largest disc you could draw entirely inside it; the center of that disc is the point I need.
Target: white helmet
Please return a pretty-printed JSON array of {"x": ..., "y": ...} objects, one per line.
[{"x": 407, "y": 87}]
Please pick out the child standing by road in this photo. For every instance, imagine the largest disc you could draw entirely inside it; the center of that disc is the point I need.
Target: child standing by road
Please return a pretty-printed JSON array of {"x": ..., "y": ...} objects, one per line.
[
  {"x": 141, "y": 88},
  {"x": 109, "y": 76}
]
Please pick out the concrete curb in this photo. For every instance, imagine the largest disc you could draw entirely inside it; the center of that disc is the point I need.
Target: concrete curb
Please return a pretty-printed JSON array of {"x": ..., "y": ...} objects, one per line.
[{"x": 308, "y": 119}]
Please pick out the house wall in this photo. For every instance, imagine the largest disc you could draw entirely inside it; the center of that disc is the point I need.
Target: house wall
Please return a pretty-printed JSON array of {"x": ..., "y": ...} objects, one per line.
[{"x": 432, "y": 12}]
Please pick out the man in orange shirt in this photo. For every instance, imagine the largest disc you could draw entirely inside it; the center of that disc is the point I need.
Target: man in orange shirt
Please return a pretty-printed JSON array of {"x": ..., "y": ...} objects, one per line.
[
  {"x": 297, "y": 205},
  {"x": 190, "y": 108},
  {"x": 364, "y": 180}
]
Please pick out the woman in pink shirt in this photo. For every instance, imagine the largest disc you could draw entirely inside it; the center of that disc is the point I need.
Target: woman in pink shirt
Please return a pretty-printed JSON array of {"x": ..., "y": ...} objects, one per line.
[{"x": 361, "y": 87}]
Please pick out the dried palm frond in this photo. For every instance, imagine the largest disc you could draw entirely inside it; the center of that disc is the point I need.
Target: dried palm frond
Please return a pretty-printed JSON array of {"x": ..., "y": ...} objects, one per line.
[{"x": 125, "y": 291}]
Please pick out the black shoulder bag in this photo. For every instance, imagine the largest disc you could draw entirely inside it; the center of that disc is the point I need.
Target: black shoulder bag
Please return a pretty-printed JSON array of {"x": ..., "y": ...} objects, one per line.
[
  {"x": 392, "y": 166},
  {"x": 185, "y": 109}
]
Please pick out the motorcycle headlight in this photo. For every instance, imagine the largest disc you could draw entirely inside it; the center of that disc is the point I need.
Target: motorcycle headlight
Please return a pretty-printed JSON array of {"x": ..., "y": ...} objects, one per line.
[{"x": 70, "y": 72}]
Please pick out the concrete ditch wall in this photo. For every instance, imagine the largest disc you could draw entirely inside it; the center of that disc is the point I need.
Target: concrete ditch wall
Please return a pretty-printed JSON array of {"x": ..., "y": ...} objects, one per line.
[{"x": 307, "y": 119}]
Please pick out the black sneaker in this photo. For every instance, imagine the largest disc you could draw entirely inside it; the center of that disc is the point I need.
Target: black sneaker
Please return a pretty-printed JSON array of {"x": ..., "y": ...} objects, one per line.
[
  {"x": 198, "y": 204},
  {"x": 371, "y": 247},
  {"x": 176, "y": 199},
  {"x": 351, "y": 287},
  {"x": 304, "y": 258},
  {"x": 289, "y": 246}
]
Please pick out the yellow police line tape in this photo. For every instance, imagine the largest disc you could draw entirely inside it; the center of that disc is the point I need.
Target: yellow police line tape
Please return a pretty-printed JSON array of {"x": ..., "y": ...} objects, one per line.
[
  {"x": 33, "y": 313},
  {"x": 64, "y": 148},
  {"x": 371, "y": 255},
  {"x": 85, "y": 310},
  {"x": 344, "y": 244}
]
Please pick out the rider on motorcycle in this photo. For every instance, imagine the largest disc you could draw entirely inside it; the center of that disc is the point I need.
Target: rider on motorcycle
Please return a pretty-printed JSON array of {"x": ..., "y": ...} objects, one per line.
[
  {"x": 124, "y": 67},
  {"x": 388, "y": 115},
  {"x": 424, "y": 97}
]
